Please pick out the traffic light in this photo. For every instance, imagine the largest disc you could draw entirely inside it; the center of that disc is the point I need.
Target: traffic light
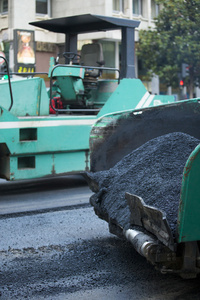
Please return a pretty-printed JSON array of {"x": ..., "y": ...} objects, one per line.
[
  {"x": 181, "y": 83},
  {"x": 185, "y": 70}
]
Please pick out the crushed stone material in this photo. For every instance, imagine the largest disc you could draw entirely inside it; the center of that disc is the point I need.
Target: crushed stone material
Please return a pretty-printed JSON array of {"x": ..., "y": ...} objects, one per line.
[{"x": 153, "y": 172}]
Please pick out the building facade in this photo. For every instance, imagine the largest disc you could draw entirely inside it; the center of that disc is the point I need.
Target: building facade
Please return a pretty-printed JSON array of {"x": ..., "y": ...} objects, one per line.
[{"x": 18, "y": 37}]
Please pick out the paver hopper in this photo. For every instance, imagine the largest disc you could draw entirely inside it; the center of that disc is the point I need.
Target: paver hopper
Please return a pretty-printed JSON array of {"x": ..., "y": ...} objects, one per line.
[{"x": 148, "y": 227}]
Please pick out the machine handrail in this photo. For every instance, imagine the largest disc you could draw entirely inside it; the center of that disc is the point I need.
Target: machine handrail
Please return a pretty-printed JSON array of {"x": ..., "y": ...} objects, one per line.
[
  {"x": 25, "y": 73},
  {"x": 10, "y": 88},
  {"x": 76, "y": 66}
]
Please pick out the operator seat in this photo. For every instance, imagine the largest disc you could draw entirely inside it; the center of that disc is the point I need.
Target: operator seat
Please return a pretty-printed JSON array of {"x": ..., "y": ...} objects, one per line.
[{"x": 92, "y": 55}]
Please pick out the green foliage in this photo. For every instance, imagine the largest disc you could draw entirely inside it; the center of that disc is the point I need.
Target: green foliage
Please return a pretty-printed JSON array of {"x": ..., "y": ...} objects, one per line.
[{"x": 174, "y": 40}]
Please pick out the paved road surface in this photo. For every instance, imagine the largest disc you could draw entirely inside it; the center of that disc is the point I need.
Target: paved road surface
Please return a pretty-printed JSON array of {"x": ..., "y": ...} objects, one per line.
[
  {"x": 51, "y": 193},
  {"x": 68, "y": 253}
]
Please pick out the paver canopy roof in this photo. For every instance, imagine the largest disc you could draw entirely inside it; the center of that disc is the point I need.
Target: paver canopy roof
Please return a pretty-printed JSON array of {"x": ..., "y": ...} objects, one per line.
[{"x": 85, "y": 23}]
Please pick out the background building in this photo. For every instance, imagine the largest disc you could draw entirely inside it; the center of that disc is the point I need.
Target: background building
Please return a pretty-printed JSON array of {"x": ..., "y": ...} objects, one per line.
[{"x": 17, "y": 36}]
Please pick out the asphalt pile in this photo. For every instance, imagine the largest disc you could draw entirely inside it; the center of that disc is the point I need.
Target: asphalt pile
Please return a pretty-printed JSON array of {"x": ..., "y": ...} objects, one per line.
[{"x": 153, "y": 172}]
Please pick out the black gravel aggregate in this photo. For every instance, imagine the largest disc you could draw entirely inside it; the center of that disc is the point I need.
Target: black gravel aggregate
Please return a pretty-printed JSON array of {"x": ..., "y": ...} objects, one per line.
[
  {"x": 153, "y": 171},
  {"x": 94, "y": 269}
]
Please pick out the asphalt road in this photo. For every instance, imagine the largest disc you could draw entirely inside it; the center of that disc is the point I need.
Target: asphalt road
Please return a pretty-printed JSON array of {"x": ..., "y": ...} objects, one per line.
[
  {"x": 66, "y": 251},
  {"x": 43, "y": 194}
]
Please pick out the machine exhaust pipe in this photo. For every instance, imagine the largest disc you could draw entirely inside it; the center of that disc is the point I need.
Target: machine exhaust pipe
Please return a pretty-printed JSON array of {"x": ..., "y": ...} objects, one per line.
[{"x": 142, "y": 242}]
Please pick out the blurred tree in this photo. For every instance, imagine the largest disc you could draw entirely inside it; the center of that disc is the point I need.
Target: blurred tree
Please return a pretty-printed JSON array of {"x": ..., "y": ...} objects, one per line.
[{"x": 174, "y": 40}]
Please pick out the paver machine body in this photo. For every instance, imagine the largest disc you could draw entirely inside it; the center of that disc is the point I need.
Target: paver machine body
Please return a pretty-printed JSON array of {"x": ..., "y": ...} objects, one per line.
[
  {"x": 116, "y": 135},
  {"x": 35, "y": 142}
]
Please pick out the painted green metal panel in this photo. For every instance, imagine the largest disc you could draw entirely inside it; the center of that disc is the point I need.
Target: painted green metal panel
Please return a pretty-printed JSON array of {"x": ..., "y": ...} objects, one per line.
[
  {"x": 30, "y": 97},
  {"x": 69, "y": 80},
  {"x": 131, "y": 94},
  {"x": 44, "y": 100},
  {"x": 48, "y": 164},
  {"x": 68, "y": 71},
  {"x": 52, "y": 134},
  {"x": 162, "y": 99},
  {"x": 104, "y": 90},
  {"x": 42, "y": 146},
  {"x": 189, "y": 208},
  {"x": 70, "y": 87},
  {"x": 5, "y": 115}
]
